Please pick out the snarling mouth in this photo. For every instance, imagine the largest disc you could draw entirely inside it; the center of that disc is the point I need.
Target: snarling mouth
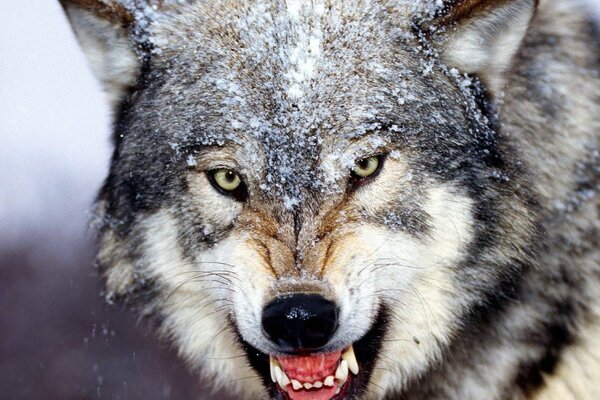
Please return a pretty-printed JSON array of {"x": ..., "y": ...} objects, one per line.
[
  {"x": 334, "y": 375},
  {"x": 318, "y": 377}
]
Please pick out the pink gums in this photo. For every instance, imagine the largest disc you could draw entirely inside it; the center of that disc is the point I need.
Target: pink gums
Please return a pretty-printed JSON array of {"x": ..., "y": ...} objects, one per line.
[{"x": 311, "y": 369}]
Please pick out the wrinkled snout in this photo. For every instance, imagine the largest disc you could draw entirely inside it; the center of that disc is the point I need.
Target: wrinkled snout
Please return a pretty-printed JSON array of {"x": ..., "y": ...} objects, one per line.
[{"x": 300, "y": 322}]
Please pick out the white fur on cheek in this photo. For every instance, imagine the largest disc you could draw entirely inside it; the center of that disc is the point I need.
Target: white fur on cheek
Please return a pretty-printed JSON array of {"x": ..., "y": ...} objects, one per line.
[
  {"x": 195, "y": 302},
  {"x": 413, "y": 277},
  {"x": 422, "y": 285}
]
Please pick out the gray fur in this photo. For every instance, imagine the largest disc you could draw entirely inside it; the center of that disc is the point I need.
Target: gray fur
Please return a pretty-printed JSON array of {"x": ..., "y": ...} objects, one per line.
[{"x": 280, "y": 93}]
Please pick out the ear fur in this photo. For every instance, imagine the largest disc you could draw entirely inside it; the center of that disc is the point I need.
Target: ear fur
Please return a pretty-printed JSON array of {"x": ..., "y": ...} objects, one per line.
[
  {"x": 103, "y": 28},
  {"x": 483, "y": 36}
]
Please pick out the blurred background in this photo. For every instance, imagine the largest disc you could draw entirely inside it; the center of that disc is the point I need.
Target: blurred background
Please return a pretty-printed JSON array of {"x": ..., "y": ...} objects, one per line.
[{"x": 58, "y": 340}]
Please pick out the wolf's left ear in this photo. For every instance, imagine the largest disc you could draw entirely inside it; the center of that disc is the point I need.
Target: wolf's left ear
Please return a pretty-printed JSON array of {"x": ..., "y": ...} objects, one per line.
[
  {"x": 103, "y": 30},
  {"x": 483, "y": 36}
]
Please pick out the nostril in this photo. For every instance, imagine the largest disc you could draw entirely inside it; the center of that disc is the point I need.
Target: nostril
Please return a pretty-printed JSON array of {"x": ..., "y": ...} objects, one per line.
[{"x": 300, "y": 322}]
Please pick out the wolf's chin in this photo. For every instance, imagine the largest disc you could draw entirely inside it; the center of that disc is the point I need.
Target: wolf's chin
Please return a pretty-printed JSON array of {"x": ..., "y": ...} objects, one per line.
[{"x": 338, "y": 374}]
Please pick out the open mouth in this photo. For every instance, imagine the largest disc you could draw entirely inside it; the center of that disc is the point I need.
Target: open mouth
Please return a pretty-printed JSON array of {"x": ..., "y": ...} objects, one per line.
[
  {"x": 339, "y": 374},
  {"x": 318, "y": 377}
]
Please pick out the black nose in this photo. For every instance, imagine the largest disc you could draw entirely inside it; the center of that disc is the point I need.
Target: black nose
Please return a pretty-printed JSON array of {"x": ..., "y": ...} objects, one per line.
[{"x": 300, "y": 322}]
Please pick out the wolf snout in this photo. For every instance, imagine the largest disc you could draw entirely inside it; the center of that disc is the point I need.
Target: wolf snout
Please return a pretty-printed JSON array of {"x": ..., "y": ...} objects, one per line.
[{"x": 300, "y": 322}]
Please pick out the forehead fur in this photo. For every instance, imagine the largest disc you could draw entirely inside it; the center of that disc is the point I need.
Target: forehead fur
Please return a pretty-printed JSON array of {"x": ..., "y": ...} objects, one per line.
[
  {"x": 297, "y": 79},
  {"x": 292, "y": 67}
]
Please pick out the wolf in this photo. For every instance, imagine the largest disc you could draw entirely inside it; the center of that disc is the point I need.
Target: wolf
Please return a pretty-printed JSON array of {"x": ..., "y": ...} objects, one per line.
[{"x": 386, "y": 199}]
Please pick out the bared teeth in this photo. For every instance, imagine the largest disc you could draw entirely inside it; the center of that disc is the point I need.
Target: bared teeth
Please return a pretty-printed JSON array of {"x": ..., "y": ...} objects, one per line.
[
  {"x": 296, "y": 385},
  {"x": 341, "y": 374},
  {"x": 350, "y": 358},
  {"x": 277, "y": 374},
  {"x": 283, "y": 380},
  {"x": 272, "y": 364},
  {"x": 347, "y": 364},
  {"x": 328, "y": 381}
]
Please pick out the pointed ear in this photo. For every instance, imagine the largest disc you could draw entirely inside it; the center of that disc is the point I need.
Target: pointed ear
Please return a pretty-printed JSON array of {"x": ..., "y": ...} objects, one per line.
[
  {"x": 103, "y": 29},
  {"x": 483, "y": 36}
]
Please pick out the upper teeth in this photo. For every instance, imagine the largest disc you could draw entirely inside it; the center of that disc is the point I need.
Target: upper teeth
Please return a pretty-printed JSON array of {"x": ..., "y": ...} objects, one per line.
[
  {"x": 341, "y": 373},
  {"x": 272, "y": 363},
  {"x": 277, "y": 374},
  {"x": 296, "y": 385},
  {"x": 329, "y": 381},
  {"x": 350, "y": 358},
  {"x": 348, "y": 363}
]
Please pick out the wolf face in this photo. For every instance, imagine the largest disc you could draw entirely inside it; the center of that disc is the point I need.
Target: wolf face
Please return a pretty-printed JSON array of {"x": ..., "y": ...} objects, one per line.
[{"x": 313, "y": 198}]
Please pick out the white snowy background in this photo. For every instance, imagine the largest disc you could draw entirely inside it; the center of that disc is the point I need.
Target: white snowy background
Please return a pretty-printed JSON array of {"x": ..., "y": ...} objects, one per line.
[{"x": 58, "y": 340}]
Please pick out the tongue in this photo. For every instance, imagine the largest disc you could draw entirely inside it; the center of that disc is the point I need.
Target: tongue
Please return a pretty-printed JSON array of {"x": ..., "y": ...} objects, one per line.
[{"x": 325, "y": 393}]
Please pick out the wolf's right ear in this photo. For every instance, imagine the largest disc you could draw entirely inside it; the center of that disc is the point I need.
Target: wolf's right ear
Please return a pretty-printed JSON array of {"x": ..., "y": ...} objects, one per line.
[{"x": 103, "y": 29}]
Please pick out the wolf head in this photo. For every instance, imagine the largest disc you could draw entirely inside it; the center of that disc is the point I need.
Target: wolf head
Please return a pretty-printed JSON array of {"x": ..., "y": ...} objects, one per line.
[{"x": 313, "y": 198}]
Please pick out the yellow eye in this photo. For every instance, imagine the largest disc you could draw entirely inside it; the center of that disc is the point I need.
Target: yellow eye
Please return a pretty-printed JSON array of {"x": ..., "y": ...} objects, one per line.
[
  {"x": 226, "y": 179},
  {"x": 366, "y": 167}
]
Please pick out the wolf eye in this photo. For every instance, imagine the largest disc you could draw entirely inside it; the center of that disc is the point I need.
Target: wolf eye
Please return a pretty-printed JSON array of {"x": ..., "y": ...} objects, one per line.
[
  {"x": 228, "y": 182},
  {"x": 227, "y": 179},
  {"x": 366, "y": 167}
]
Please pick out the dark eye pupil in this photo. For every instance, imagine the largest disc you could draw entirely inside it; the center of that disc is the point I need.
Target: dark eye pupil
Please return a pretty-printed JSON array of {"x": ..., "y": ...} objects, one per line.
[
  {"x": 230, "y": 176},
  {"x": 363, "y": 164}
]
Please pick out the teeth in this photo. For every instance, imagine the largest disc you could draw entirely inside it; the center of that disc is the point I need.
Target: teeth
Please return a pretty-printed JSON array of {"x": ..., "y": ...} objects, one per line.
[
  {"x": 282, "y": 378},
  {"x": 284, "y": 381},
  {"x": 341, "y": 373},
  {"x": 273, "y": 363},
  {"x": 277, "y": 374},
  {"x": 296, "y": 385},
  {"x": 337, "y": 390},
  {"x": 347, "y": 364},
  {"x": 350, "y": 358}
]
